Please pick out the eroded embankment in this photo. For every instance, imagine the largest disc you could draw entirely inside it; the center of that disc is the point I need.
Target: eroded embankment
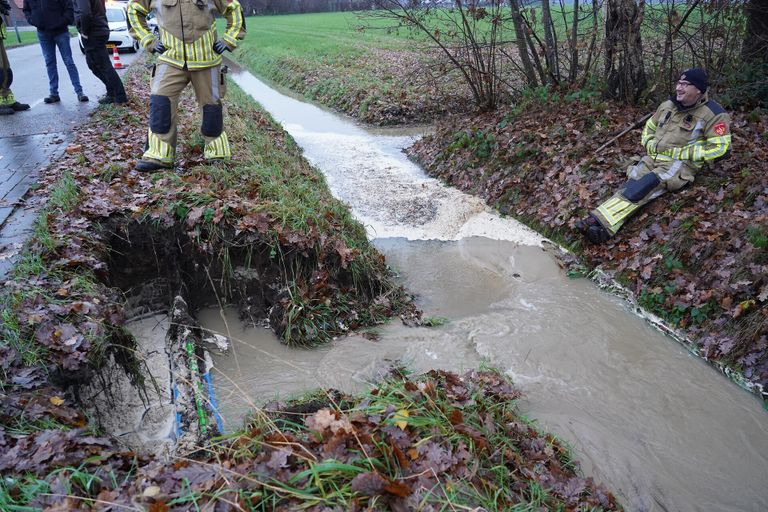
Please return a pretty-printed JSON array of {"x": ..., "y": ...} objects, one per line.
[
  {"x": 261, "y": 232},
  {"x": 698, "y": 258}
]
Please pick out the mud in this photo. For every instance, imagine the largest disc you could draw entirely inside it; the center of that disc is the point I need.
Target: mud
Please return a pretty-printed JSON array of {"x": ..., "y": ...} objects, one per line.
[
  {"x": 140, "y": 419},
  {"x": 158, "y": 398}
]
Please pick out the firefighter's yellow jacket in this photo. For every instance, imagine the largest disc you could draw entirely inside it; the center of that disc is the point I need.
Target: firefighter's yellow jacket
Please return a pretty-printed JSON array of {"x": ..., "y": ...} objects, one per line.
[
  {"x": 187, "y": 29},
  {"x": 679, "y": 140}
]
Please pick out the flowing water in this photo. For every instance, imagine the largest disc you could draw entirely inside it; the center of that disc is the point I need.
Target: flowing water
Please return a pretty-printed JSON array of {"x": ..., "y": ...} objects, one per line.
[{"x": 655, "y": 424}]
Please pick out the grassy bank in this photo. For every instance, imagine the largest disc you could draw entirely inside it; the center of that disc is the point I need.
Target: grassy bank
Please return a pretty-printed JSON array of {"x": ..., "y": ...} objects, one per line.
[
  {"x": 438, "y": 442},
  {"x": 371, "y": 74}
]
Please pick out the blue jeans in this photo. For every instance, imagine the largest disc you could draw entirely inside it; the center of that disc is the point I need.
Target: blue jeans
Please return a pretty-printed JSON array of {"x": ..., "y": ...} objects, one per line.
[{"x": 48, "y": 43}]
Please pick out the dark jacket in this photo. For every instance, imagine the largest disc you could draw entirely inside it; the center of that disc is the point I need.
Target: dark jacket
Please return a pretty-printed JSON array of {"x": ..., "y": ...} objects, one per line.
[
  {"x": 50, "y": 16},
  {"x": 91, "y": 18}
]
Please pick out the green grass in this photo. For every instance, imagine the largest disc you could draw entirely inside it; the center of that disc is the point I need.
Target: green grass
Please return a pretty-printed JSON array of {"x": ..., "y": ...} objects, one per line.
[
  {"x": 26, "y": 37},
  {"x": 327, "y": 57},
  {"x": 33, "y": 263}
]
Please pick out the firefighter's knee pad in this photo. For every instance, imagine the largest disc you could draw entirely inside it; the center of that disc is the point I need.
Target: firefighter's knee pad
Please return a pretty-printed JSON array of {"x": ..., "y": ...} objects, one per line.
[
  {"x": 6, "y": 74},
  {"x": 635, "y": 190},
  {"x": 213, "y": 120},
  {"x": 159, "y": 114}
]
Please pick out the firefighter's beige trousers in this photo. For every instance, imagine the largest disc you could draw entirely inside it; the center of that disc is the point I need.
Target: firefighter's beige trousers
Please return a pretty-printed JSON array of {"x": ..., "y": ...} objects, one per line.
[
  {"x": 168, "y": 82},
  {"x": 615, "y": 211},
  {"x": 6, "y": 96}
]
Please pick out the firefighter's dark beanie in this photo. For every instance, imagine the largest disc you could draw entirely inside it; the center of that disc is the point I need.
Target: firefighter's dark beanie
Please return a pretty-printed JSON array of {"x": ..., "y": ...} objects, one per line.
[{"x": 697, "y": 77}]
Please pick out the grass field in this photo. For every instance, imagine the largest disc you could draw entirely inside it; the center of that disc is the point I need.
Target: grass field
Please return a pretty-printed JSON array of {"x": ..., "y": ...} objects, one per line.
[
  {"x": 26, "y": 37},
  {"x": 22, "y": 39},
  {"x": 370, "y": 73}
]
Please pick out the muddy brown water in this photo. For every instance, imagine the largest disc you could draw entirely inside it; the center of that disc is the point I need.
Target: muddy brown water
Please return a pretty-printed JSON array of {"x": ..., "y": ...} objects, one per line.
[{"x": 655, "y": 424}]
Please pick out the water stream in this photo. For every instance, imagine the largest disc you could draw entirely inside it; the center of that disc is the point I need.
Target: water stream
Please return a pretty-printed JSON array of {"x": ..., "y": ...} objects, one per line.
[{"x": 655, "y": 424}]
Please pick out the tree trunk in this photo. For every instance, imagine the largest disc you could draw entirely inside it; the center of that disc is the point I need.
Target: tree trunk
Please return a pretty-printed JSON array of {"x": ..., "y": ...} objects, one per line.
[
  {"x": 522, "y": 47},
  {"x": 755, "y": 49},
  {"x": 592, "y": 43},
  {"x": 550, "y": 52},
  {"x": 574, "y": 46},
  {"x": 624, "y": 70}
]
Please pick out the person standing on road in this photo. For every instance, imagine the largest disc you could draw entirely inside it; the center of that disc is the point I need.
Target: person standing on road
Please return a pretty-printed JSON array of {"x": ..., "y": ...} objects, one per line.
[
  {"x": 189, "y": 51},
  {"x": 91, "y": 22},
  {"x": 52, "y": 19},
  {"x": 8, "y": 104},
  {"x": 686, "y": 132}
]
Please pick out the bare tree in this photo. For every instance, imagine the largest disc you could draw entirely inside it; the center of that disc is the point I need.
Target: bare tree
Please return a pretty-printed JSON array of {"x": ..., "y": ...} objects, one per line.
[
  {"x": 468, "y": 34},
  {"x": 624, "y": 68}
]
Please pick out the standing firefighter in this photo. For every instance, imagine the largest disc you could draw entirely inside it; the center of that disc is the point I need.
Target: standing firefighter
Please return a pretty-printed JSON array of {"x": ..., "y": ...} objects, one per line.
[
  {"x": 8, "y": 104},
  {"x": 684, "y": 133},
  {"x": 189, "y": 51}
]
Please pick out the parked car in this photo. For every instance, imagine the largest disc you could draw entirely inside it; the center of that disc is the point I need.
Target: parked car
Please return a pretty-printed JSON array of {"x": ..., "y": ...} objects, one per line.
[{"x": 117, "y": 17}]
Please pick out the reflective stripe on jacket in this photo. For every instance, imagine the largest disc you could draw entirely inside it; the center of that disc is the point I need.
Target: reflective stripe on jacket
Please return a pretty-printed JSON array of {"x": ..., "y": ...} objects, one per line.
[{"x": 189, "y": 44}]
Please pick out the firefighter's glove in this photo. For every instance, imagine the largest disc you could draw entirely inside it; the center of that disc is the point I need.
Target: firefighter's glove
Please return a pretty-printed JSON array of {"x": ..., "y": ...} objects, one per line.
[
  {"x": 158, "y": 47},
  {"x": 220, "y": 47}
]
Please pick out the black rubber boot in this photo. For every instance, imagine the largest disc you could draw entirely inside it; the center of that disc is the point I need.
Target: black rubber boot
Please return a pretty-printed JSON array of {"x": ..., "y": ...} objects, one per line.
[
  {"x": 6, "y": 110},
  {"x": 584, "y": 224},
  {"x": 18, "y": 107},
  {"x": 598, "y": 234},
  {"x": 152, "y": 166}
]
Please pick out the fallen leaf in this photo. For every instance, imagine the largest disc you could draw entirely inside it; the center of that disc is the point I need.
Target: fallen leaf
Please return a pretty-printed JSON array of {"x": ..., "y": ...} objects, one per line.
[{"x": 401, "y": 418}]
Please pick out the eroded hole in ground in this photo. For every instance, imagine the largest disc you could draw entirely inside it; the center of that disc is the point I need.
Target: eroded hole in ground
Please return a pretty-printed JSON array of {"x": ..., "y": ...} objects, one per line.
[{"x": 160, "y": 400}]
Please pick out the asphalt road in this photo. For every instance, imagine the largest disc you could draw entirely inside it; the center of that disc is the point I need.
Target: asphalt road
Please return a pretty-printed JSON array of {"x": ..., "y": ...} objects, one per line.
[
  {"x": 30, "y": 85},
  {"x": 30, "y": 140}
]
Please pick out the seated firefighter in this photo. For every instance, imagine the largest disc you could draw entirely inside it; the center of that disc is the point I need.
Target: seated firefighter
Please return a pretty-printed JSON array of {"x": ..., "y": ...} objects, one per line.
[
  {"x": 683, "y": 134},
  {"x": 189, "y": 51}
]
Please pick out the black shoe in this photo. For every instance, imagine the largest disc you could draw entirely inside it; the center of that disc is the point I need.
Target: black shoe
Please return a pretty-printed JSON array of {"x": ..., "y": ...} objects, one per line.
[
  {"x": 151, "y": 166},
  {"x": 106, "y": 100},
  {"x": 6, "y": 110},
  {"x": 18, "y": 107},
  {"x": 53, "y": 98},
  {"x": 120, "y": 101},
  {"x": 583, "y": 225},
  {"x": 82, "y": 97},
  {"x": 598, "y": 234}
]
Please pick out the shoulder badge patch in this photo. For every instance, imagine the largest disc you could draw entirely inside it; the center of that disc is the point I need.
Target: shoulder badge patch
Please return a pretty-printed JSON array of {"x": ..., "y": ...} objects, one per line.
[{"x": 720, "y": 128}]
